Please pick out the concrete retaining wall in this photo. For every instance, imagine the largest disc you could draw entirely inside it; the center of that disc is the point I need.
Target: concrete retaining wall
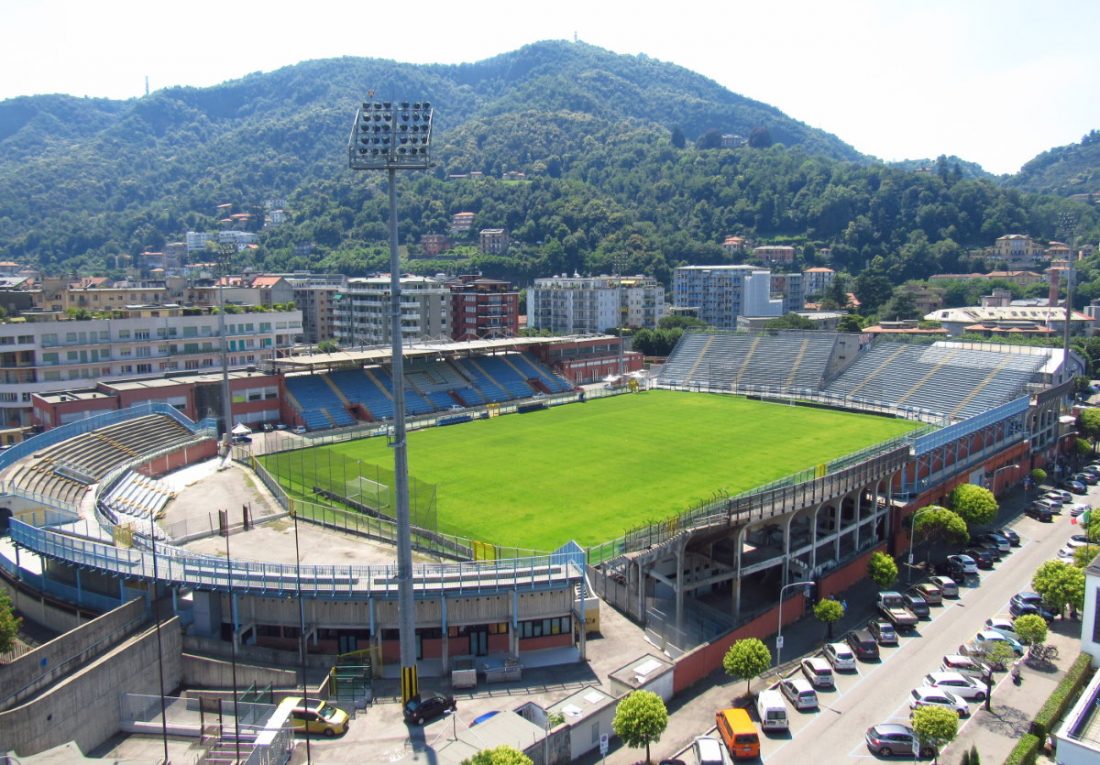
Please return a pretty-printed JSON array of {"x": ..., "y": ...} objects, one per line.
[
  {"x": 206, "y": 672},
  {"x": 85, "y": 708},
  {"x": 44, "y": 665},
  {"x": 41, "y": 611}
]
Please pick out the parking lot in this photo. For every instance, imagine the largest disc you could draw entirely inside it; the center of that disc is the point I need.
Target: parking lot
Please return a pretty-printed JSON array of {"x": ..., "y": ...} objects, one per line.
[{"x": 878, "y": 691}]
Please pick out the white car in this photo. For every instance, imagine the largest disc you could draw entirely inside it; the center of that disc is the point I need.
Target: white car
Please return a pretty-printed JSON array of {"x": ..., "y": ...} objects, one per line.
[
  {"x": 840, "y": 656},
  {"x": 984, "y": 639},
  {"x": 1006, "y": 625},
  {"x": 936, "y": 697},
  {"x": 799, "y": 692},
  {"x": 964, "y": 687},
  {"x": 818, "y": 672}
]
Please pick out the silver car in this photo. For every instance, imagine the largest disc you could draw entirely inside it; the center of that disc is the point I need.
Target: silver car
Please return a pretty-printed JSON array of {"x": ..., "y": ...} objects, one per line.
[
  {"x": 799, "y": 692},
  {"x": 964, "y": 687}
]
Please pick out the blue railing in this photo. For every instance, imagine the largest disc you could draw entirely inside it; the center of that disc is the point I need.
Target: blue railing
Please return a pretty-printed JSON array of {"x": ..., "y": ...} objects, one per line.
[{"x": 183, "y": 568}]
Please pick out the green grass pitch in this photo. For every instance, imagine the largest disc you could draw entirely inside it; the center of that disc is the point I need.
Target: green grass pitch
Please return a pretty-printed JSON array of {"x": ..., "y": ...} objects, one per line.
[{"x": 592, "y": 471}]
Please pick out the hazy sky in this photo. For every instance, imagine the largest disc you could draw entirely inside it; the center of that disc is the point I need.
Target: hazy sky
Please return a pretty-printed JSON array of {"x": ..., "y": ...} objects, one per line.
[{"x": 992, "y": 81}]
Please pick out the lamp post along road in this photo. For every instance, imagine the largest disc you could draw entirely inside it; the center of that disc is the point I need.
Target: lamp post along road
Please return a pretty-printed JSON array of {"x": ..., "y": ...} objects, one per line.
[
  {"x": 779, "y": 633},
  {"x": 392, "y": 136},
  {"x": 912, "y": 535}
]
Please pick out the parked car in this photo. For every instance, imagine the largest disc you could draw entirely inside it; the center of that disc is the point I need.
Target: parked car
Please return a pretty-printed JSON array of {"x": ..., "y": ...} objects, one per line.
[
  {"x": 1053, "y": 505},
  {"x": 894, "y": 740},
  {"x": 1089, "y": 479},
  {"x": 300, "y": 430},
  {"x": 883, "y": 632},
  {"x": 315, "y": 716},
  {"x": 982, "y": 557},
  {"x": 916, "y": 603},
  {"x": 1059, "y": 495},
  {"x": 799, "y": 692},
  {"x": 986, "y": 638},
  {"x": 421, "y": 709},
  {"x": 863, "y": 644},
  {"x": 967, "y": 666},
  {"x": 1039, "y": 511},
  {"x": 1093, "y": 468},
  {"x": 994, "y": 541},
  {"x": 937, "y": 697},
  {"x": 1080, "y": 540},
  {"x": 1079, "y": 507},
  {"x": 947, "y": 585},
  {"x": 840, "y": 656},
  {"x": 1075, "y": 487},
  {"x": 818, "y": 672},
  {"x": 1027, "y": 602},
  {"x": 1006, "y": 625},
  {"x": 961, "y": 565},
  {"x": 930, "y": 591},
  {"x": 959, "y": 685},
  {"x": 1012, "y": 537}
]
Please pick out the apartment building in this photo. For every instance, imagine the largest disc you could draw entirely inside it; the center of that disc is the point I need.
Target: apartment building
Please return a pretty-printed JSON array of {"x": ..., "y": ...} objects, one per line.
[
  {"x": 774, "y": 254},
  {"x": 315, "y": 296},
  {"x": 362, "y": 313},
  {"x": 494, "y": 241},
  {"x": 483, "y": 308},
  {"x": 818, "y": 279},
  {"x": 593, "y": 304},
  {"x": 719, "y": 294},
  {"x": 45, "y": 355}
]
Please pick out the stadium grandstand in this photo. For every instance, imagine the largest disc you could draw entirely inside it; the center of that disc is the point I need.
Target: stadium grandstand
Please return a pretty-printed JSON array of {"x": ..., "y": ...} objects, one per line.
[{"x": 93, "y": 506}]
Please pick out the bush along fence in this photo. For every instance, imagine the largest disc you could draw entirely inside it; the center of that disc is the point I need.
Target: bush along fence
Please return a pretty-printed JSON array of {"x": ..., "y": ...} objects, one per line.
[{"x": 1027, "y": 750}]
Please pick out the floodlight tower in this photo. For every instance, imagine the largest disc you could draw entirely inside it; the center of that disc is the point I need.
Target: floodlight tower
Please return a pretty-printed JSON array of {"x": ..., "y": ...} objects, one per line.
[{"x": 392, "y": 136}]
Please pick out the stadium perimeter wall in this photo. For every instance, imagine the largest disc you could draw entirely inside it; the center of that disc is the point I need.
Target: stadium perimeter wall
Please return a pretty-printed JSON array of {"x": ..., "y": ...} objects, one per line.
[{"x": 698, "y": 663}]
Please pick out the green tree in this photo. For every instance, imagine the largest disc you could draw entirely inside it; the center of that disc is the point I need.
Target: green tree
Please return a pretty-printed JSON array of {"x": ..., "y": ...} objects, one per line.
[
  {"x": 789, "y": 320},
  {"x": 1038, "y": 475},
  {"x": 746, "y": 659},
  {"x": 327, "y": 346},
  {"x": 9, "y": 623},
  {"x": 1088, "y": 425},
  {"x": 828, "y": 611},
  {"x": 640, "y": 719},
  {"x": 499, "y": 755},
  {"x": 883, "y": 570},
  {"x": 1031, "y": 628},
  {"x": 1061, "y": 584},
  {"x": 933, "y": 524},
  {"x": 974, "y": 504},
  {"x": 935, "y": 727},
  {"x": 849, "y": 323}
]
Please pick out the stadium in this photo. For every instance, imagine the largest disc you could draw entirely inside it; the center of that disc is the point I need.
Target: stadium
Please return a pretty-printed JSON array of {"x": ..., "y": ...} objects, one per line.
[{"x": 686, "y": 500}]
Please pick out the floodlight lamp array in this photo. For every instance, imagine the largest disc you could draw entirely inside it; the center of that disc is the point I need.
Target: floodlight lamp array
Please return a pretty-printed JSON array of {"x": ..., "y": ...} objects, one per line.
[{"x": 391, "y": 134}]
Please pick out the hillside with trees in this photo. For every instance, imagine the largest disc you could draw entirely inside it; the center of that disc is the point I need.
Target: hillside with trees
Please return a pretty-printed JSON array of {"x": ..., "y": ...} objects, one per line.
[{"x": 623, "y": 162}]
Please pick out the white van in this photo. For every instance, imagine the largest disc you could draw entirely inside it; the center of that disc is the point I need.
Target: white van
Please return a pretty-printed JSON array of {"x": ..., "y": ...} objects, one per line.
[{"x": 771, "y": 710}]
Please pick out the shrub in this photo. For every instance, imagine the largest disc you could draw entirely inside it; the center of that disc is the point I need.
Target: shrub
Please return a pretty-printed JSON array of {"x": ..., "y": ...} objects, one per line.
[
  {"x": 1025, "y": 752},
  {"x": 1065, "y": 694}
]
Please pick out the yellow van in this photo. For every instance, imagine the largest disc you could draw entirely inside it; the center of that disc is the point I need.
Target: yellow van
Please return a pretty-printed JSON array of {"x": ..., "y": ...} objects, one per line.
[
  {"x": 739, "y": 733},
  {"x": 314, "y": 716}
]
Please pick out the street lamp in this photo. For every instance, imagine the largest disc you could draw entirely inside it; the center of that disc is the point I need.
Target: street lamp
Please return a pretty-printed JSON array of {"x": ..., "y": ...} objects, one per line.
[
  {"x": 779, "y": 633},
  {"x": 912, "y": 534},
  {"x": 993, "y": 478},
  {"x": 392, "y": 136}
]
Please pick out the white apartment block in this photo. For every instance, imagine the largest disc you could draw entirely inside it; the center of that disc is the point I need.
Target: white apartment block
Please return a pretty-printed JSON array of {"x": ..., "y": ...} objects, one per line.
[
  {"x": 816, "y": 280},
  {"x": 53, "y": 356},
  {"x": 593, "y": 304},
  {"x": 362, "y": 311},
  {"x": 196, "y": 241},
  {"x": 719, "y": 294}
]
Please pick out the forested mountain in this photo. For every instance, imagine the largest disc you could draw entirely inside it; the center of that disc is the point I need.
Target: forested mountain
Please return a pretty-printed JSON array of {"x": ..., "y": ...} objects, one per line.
[
  {"x": 1065, "y": 170},
  {"x": 622, "y": 158}
]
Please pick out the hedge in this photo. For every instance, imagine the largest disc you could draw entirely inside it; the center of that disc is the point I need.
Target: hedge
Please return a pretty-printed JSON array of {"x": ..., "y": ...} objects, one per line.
[
  {"x": 1025, "y": 752},
  {"x": 1064, "y": 695}
]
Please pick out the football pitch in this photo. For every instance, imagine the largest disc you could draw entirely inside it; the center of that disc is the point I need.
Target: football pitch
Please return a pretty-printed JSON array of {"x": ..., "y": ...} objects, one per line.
[{"x": 590, "y": 472}]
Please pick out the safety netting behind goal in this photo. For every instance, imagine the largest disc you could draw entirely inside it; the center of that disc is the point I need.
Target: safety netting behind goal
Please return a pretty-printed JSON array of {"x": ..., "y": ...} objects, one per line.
[{"x": 319, "y": 473}]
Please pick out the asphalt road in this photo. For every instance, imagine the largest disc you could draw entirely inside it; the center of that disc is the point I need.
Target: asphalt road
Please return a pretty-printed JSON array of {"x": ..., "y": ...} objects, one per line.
[{"x": 879, "y": 692}]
